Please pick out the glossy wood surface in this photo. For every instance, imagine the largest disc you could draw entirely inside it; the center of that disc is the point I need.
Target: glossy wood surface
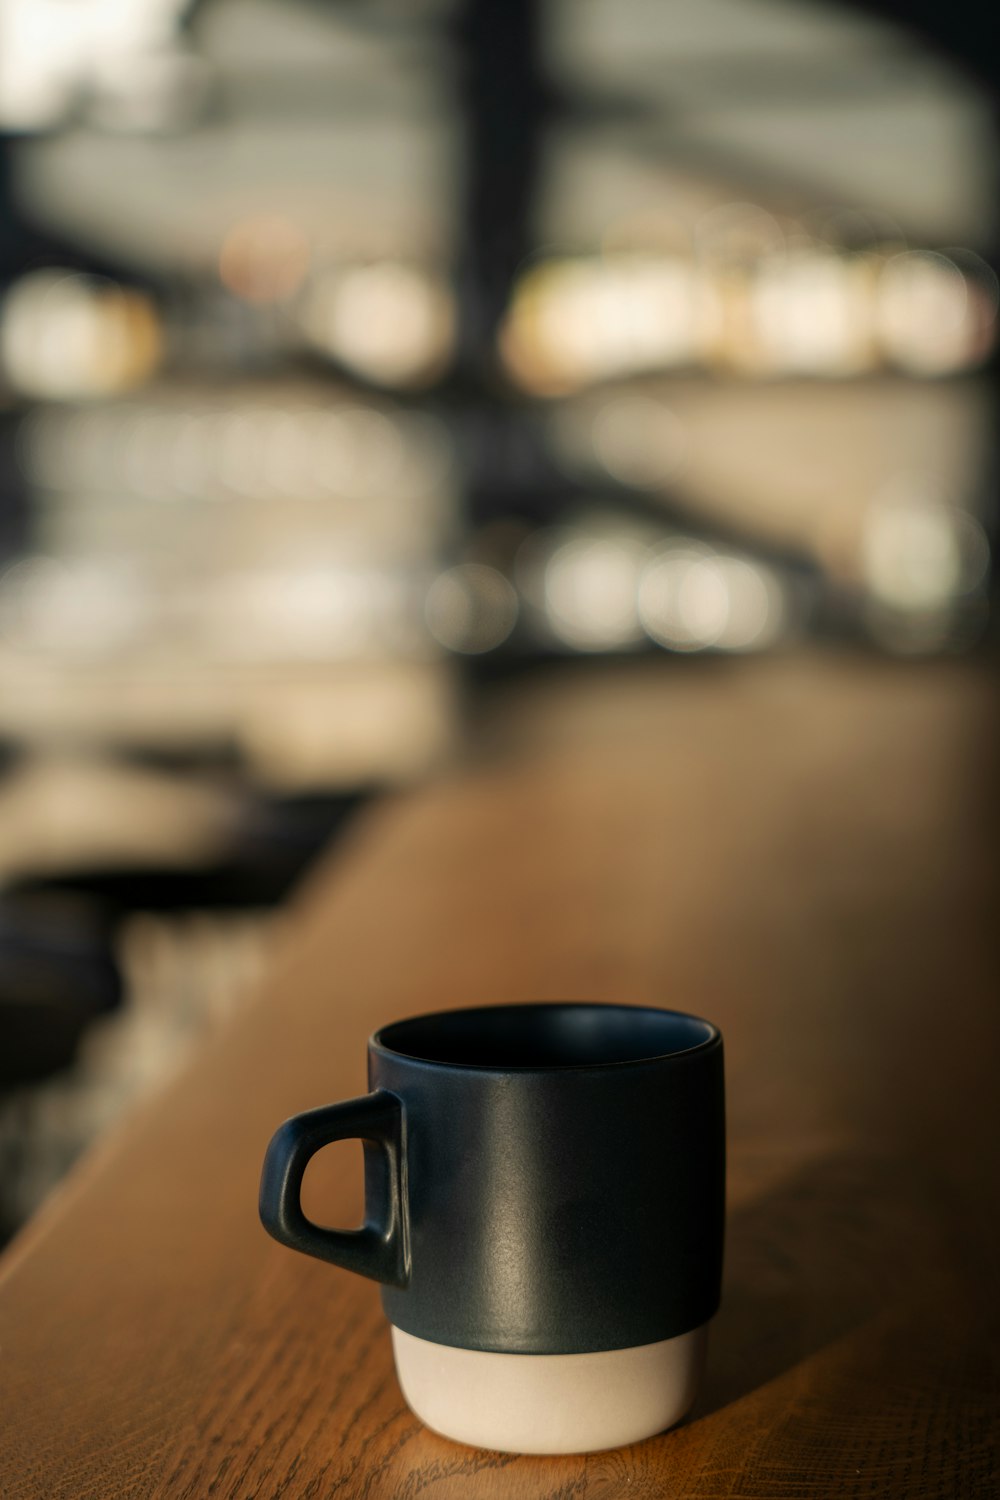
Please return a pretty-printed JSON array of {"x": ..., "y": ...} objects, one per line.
[{"x": 804, "y": 851}]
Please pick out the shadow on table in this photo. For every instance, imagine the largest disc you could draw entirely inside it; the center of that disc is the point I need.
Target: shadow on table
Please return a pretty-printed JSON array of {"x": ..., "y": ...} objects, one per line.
[{"x": 807, "y": 1263}]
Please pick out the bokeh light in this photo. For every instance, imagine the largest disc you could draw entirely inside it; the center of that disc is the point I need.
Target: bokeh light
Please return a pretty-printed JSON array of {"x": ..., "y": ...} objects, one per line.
[
  {"x": 264, "y": 258},
  {"x": 919, "y": 553},
  {"x": 639, "y": 440},
  {"x": 64, "y": 335},
  {"x": 87, "y": 608},
  {"x": 927, "y": 321},
  {"x": 393, "y": 323},
  {"x": 575, "y": 321},
  {"x": 811, "y": 314},
  {"x": 251, "y": 444},
  {"x": 591, "y": 584},
  {"x": 471, "y": 608},
  {"x": 692, "y": 598},
  {"x": 757, "y": 301}
]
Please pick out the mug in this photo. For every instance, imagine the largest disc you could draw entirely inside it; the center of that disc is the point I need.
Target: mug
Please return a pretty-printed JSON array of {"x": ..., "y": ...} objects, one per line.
[{"x": 544, "y": 1207}]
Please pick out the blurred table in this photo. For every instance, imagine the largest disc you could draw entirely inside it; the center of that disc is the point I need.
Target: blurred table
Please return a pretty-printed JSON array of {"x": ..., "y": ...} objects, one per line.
[{"x": 804, "y": 850}]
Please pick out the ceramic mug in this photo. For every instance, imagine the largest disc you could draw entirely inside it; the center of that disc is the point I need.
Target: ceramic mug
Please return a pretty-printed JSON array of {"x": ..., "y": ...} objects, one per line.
[{"x": 544, "y": 1205}]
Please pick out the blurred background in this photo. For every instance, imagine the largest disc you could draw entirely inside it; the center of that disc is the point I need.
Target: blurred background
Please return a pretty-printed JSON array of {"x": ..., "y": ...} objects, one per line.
[{"x": 357, "y": 357}]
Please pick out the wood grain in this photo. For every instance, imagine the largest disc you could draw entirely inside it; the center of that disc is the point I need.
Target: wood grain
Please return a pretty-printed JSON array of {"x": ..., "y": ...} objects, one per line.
[{"x": 805, "y": 851}]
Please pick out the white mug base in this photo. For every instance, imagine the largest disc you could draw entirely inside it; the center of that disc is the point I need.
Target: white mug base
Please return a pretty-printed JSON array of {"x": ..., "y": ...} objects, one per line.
[{"x": 550, "y": 1403}]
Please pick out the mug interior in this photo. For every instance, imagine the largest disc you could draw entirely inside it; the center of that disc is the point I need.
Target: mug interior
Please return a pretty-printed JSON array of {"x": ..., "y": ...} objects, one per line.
[{"x": 569, "y": 1035}]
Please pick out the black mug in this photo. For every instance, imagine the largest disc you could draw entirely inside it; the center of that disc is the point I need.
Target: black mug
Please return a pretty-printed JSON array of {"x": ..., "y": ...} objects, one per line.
[{"x": 544, "y": 1195}]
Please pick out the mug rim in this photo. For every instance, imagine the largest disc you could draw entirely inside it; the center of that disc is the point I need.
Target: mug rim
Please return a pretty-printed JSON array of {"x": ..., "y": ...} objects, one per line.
[{"x": 378, "y": 1042}]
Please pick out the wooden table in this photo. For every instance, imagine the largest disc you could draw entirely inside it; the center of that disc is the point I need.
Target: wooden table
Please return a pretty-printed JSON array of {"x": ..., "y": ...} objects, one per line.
[{"x": 804, "y": 850}]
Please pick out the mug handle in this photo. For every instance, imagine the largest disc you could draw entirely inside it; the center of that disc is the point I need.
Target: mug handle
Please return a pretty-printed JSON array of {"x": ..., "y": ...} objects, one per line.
[{"x": 379, "y": 1249}]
